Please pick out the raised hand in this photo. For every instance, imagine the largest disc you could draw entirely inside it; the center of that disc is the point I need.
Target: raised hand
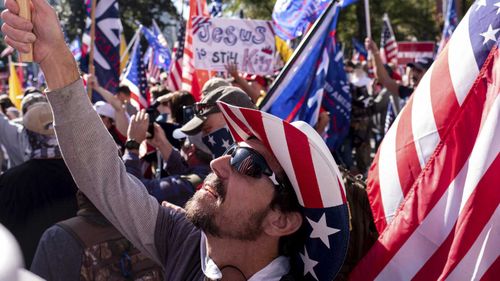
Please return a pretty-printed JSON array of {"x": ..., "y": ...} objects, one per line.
[
  {"x": 138, "y": 126},
  {"x": 44, "y": 32}
]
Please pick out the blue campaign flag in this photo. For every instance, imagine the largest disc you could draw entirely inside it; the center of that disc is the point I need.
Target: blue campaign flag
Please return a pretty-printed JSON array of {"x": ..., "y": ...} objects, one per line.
[
  {"x": 291, "y": 18},
  {"x": 108, "y": 28},
  {"x": 450, "y": 24},
  {"x": 359, "y": 48},
  {"x": 161, "y": 53},
  {"x": 215, "y": 8},
  {"x": 314, "y": 78}
]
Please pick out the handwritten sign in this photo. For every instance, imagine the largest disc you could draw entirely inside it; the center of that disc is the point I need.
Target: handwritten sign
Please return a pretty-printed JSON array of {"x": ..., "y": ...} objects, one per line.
[{"x": 247, "y": 43}]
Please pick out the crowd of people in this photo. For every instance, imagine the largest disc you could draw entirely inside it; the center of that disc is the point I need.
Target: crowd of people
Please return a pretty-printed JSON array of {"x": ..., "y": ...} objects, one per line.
[{"x": 142, "y": 194}]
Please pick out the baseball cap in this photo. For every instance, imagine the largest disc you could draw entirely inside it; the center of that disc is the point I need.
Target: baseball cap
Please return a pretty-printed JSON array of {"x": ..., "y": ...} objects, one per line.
[
  {"x": 422, "y": 63},
  {"x": 212, "y": 84},
  {"x": 37, "y": 115},
  {"x": 230, "y": 95},
  {"x": 104, "y": 109}
]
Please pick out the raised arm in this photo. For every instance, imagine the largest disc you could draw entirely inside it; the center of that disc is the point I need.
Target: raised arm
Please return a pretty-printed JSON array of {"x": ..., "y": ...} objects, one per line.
[
  {"x": 121, "y": 116},
  {"x": 87, "y": 148},
  {"x": 380, "y": 72}
]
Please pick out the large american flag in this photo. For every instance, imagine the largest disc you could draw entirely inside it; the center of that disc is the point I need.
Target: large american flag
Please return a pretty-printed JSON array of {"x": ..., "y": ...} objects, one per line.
[
  {"x": 134, "y": 77},
  {"x": 190, "y": 82},
  {"x": 388, "y": 44},
  {"x": 174, "y": 80},
  {"x": 433, "y": 186}
]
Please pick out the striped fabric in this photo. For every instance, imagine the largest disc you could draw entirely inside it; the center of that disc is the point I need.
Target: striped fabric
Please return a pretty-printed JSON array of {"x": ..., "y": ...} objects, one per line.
[
  {"x": 190, "y": 81},
  {"x": 174, "y": 80},
  {"x": 433, "y": 186},
  {"x": 315, "y": 177},
  {"x": 388, "y": 44},
  {"x": 285, "y": 141}
]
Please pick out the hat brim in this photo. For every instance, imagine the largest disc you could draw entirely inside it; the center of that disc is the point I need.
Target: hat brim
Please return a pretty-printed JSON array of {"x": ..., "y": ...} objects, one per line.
[{"x": 193, "y": 126}]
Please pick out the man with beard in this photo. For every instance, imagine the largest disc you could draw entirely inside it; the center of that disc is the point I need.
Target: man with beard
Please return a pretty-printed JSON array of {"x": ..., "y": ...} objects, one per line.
[{"x": 277, "y": 179}]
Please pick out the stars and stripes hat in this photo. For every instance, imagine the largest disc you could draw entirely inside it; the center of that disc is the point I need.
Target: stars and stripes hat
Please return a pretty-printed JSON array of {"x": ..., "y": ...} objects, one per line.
[{"x": 317, "y": 182}]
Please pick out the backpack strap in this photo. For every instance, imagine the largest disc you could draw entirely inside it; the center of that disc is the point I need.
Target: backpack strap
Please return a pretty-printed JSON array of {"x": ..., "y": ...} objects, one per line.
[{"x": 88, "y": 233}]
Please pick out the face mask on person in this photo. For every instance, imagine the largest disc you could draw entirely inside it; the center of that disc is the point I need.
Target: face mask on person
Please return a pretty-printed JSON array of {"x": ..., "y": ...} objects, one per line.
[{"x": 218, "y": 141}]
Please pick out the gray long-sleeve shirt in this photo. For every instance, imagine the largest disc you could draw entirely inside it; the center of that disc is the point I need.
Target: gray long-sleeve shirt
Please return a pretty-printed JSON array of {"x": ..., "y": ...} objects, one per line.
[{"x": 162, "y": 233}]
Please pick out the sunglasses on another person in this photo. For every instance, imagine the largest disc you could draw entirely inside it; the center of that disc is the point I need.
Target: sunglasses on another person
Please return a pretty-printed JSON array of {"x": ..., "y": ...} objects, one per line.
[{"x": 249, "y": 162}]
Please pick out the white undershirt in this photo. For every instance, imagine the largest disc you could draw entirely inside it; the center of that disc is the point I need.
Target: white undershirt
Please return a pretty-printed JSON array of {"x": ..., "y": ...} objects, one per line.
[{"x": 271, "y": 272}]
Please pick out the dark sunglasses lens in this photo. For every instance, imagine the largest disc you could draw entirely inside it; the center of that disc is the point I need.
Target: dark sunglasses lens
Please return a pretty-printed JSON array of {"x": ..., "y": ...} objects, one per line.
[{"x": 247, "y": 162}]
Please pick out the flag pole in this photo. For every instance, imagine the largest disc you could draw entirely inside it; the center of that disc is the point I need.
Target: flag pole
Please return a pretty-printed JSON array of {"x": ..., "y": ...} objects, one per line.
[
  {"x": 130, "y": 44},
  {"x": 367, "y": 19},
  {"x": 295, "y": 55},
  {"x": 91, "y": 54},
  {"x": 25, "y": 13}
]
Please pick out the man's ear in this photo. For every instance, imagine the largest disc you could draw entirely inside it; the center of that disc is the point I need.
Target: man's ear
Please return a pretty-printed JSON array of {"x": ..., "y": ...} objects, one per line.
[{"x": 279, "y": 224}]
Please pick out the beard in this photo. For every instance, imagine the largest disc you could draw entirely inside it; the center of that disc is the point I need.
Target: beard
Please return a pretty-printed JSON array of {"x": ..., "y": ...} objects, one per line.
[{"x": 207, "y": 215}]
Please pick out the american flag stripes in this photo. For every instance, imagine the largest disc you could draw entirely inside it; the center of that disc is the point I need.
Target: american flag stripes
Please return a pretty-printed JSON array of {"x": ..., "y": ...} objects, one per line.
[
  {"x": 174, "y": 80},
  {"x": 190, "y": 83},
  {"x": 442, "y": 156},
  {"x": 315, "y": 178},
  {"x": 135, "y": 78},
  {"x": 388, "y": 44}
]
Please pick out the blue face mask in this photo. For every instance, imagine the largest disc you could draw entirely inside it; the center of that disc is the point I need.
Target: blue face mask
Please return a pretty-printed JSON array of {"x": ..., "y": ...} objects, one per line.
[{"x": 218, "y": 142}]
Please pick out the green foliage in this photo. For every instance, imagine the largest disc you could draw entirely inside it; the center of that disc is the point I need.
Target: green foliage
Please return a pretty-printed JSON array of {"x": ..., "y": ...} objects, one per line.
[
  {"x": 410, "y": 19},
  {"x": 72, "y": 14}
]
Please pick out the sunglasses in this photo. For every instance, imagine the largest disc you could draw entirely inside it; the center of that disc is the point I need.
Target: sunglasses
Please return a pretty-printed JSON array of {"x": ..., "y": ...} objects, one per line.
[
  {"x": 202, "y": 109},
  {"x": 249, "y": 162}
]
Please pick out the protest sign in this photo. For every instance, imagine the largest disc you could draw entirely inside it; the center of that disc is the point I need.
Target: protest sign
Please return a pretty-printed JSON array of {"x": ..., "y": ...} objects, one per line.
[{"x": 247, "y": 43}]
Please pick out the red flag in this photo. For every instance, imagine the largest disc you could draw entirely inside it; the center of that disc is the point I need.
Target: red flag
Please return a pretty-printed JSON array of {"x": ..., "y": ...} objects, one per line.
[
  {"x": 192, "y": 80},
  {"x": 442, "y": 156}
]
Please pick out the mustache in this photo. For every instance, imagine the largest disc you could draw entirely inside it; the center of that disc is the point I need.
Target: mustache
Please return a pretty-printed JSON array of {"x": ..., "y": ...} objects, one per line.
[{"x": 217, "y": 184}]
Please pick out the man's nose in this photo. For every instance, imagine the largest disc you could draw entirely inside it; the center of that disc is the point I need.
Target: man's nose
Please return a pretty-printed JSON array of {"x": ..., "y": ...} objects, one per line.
[{"x": 221, "y": 166}]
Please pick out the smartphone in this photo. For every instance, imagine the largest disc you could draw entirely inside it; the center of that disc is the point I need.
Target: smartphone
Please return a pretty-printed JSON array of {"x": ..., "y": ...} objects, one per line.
[
  {"x": 187, "y": 113},
  {"x": 151, "y": 129}
]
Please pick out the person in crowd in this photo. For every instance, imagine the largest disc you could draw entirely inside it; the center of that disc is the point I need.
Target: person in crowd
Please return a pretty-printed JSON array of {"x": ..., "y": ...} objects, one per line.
[
  {"x": 120, "y": 119},
  {"x": 39, "y": 192},
  {"x": 253, "y": 85},
  {"x": 108, "y": 117},
  {"x": 212, "y": 84},
  {"x": 123, "y": 94},
  {"x": 242, "y": 224},
  {"x": 14, "y": 136},
  {"x": 187, "y": 167},
  {"x": 209, "y": 120},
  {"x": 418, "y": 69},
  {"x": 88, "y": 247}
]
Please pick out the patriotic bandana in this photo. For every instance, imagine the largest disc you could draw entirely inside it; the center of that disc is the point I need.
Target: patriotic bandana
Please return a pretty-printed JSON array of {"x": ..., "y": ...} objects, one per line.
[
  {"x": 316, "y": 180},
  {"x": 218, "y": 141}
]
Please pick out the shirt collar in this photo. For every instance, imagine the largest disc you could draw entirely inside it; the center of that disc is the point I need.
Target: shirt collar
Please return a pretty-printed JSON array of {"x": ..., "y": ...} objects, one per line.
[{"x": 271, "y": 272}]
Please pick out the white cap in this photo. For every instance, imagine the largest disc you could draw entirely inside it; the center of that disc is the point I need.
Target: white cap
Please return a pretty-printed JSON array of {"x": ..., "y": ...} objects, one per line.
[{"x": 104, "y": 109}]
